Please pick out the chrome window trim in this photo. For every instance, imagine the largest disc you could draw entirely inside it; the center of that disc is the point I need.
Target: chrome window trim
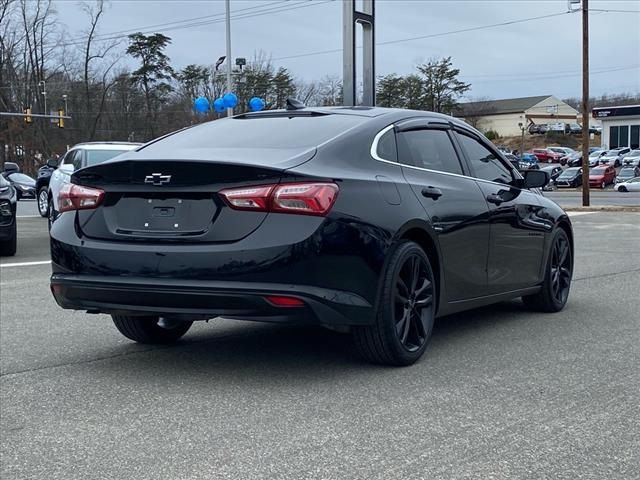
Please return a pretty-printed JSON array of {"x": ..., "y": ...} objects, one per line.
[
  {"x": 375, "y": 156},
  {"x": 374, "y": 145}
]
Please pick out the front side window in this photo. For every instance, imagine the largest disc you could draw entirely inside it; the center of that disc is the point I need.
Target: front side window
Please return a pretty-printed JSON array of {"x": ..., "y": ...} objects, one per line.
[
  {"x": 485, "y": 164},
  {"x": 430, "y": 149}
]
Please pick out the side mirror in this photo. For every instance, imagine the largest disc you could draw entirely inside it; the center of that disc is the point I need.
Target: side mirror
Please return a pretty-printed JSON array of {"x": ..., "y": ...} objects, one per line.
[
  {"x": 53, "y": 163},
  {"x": 535, "y": 178},
  {"x": 67, "y": 168}
]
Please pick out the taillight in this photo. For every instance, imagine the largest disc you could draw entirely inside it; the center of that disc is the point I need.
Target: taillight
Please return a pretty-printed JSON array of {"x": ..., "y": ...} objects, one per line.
[
  {"x": 315, "y": 198},
  {"x": 75, "y": 197}
]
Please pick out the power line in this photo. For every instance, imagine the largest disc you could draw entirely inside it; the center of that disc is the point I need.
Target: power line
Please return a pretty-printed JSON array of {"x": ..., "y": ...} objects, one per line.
[
  {"x": 549, "y": 77},
  {"x": 168, "y": 24},
  {"x": 276, "y": 9},
  {"x": 612, "y": 11},
  {"x": 433, "y": 35}
]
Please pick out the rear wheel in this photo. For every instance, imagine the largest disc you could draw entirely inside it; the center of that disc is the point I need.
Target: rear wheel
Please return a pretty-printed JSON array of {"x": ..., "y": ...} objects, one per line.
[
  {"x": 150, "y": 329},
  {"x": 8, "y": 247},
  {"x": 43, "y": 201},
  {"x": 405, "y": 310},
  {"x": 622, "y": 188},
  {"x": 557, "y": 280}
]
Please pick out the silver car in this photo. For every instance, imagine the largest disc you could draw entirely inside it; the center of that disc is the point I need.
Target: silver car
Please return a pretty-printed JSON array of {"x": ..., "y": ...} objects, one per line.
[
  {"x": 80, "y": 156},
  {"x": 614, "y": 157}
]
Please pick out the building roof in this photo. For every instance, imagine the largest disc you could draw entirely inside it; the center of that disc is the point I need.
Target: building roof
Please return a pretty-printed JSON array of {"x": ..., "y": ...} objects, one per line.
[{"x": 497, "y": 107}]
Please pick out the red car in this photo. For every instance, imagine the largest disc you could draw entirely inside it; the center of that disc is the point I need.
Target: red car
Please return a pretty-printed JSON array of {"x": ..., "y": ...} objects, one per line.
[
  {"x": 602, "y": 176},
  {"x": 546, "y": 155}
]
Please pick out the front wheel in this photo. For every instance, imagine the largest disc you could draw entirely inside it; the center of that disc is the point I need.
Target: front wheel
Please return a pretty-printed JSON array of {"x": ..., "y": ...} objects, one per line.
[
  {"x": 554, "y": 293},
  {"x": 405, "y": 310},
  {"x": 150, "y": 329},
  {"x": 43, "y": 202},
  {"x": 622, "y": 189}
]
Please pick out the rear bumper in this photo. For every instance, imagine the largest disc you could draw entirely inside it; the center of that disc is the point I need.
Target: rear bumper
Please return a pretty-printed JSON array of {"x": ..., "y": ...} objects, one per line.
[{"x": 208, "y": 299}]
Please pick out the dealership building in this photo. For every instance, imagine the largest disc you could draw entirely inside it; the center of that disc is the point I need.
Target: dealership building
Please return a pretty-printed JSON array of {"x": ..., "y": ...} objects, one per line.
[{"x": 620, "y": 125}]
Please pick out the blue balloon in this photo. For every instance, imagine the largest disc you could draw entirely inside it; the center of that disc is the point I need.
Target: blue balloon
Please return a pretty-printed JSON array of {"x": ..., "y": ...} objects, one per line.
[
  {"x": 256, "y": 104},
  {"x": 201, "y": 105},
  {"x": 230, "y": 100},
  {"x": 218, "y": 105}
]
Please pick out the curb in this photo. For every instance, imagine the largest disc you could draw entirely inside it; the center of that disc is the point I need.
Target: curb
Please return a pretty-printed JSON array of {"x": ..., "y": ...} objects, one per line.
[{"x": 605, "y": 208}]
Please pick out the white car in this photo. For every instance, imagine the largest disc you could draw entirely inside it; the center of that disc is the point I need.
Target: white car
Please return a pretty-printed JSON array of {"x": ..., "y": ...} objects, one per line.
[
  {"x": 614, "y": 157},
  {"x": 562, "y": 150},
  {"x": 632, "y": 158},
  {"x": 632, "y": 185},
  {"x": 80, "y": 156}
]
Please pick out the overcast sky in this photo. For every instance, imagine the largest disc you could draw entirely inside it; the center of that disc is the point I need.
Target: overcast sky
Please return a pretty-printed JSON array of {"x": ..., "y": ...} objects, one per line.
[{"x": 537, "y": 57}]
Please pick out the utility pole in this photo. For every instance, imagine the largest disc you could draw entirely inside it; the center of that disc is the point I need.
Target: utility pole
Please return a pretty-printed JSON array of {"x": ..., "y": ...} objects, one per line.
[
  {"x": 585, "y": 103},
  {"x": 229, "y": 66}
]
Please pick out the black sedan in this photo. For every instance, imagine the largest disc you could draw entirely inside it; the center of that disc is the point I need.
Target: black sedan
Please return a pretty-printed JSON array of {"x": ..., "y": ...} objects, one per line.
[
  {"x": 25, "y": 185},
  {"x": 379, "y": 220},
  {"x": 8, "y": 233},
  {"x": 571, "y": 177}
]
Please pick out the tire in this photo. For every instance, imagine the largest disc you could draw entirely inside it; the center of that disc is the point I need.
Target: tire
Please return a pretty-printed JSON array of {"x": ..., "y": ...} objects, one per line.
[
  {"x": 622, "y": 189},
  {"x": 554, "y": 293},
  {"x": 18, "y": 195},
  {"x": 603, "y": 185},
  {"x": 43, "y": 201},
  {"x": 147, "y": 329},
  {"x": 403, "y": 326},
  {"x": 8, "y": 247}
]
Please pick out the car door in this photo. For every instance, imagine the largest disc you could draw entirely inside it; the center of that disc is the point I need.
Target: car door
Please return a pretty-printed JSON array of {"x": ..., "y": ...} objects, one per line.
[
  {"x": 453, "y": 204},
  {"x": 517, "y": 232}
]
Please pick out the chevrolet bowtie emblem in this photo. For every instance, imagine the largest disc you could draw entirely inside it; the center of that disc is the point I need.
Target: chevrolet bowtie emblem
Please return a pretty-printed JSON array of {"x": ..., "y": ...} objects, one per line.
[{"x": 157, "y": 179}]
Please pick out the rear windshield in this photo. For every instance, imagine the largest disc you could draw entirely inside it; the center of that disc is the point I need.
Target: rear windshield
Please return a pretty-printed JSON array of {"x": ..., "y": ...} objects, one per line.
[
  {"x": 260, "y": 132},
  {"x": 598, "y": 171},
  {"x": 21, "y": 177},
  {"x": 569, "y": 172},
  {"x": 95, "y": 157}
]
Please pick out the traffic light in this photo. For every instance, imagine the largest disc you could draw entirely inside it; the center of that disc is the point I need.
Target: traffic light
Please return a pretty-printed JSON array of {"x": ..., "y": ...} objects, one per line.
[
  {"x": 27, "y": 118},
  {"x": 60, "y": 119}
]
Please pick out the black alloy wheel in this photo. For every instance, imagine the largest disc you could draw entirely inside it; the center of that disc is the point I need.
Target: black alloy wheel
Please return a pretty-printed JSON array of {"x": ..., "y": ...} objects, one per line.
[
  {"x": 406, "y": 310},
  {"x": 557, "y": 283}
]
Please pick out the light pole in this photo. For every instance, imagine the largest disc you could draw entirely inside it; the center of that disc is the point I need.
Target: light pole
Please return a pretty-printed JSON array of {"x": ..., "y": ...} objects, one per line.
[
  {"x": 521, "y": 125},
  {"x": 43, "y": 84},
  {"x": 229, "y": 66}
]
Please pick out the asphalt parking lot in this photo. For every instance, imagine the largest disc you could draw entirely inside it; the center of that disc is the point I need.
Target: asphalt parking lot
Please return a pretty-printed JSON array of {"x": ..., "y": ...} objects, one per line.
[{"x": 502, "y": 393}]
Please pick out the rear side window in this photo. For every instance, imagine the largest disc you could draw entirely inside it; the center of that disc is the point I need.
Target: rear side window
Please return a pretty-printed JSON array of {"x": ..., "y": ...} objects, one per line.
[
  {"x": 431, "y": 149},
  {"x": 485, "y": 164},
  {"x": 259, "y": 132},
  {"x": 387, "y": 146}
]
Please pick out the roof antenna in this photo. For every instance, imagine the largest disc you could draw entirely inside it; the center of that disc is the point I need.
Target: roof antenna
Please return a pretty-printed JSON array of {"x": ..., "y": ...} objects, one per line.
[{"x": 295, "y": 104}]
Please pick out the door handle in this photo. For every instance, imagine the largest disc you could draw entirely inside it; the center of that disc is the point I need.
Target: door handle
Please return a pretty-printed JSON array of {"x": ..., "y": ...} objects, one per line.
[
  {"x": 431, "y": 192},
  {"x": 495, "y": 198}
]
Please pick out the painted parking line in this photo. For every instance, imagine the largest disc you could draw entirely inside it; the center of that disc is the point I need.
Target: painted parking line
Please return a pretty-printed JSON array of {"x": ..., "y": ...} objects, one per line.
[
  {"x": 28, "y": 216},
  {"x": 25, "y": 264},
  {"x": 575, "y": 214}
]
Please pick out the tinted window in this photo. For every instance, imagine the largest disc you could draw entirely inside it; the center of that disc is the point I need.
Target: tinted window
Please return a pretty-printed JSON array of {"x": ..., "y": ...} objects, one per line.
[
  {"x": 93, "y": 157},
  {"x": 77, "y": 159},
  {"x": 387, "y": 146},
  {"x": 484, "y": 163},
  {"x": 258, "y": 132},
  {"x": 430, "y": 149}
]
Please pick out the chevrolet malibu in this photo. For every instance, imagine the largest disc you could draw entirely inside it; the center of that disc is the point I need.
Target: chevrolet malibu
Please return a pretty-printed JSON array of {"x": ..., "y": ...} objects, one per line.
[{"x": 378, "y": 220}]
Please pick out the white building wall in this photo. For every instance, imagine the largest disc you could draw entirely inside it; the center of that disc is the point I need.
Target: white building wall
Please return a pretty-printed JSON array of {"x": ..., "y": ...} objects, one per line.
[
  {"x": 506, "y": 124},
  {"x": 616, "y": 122},
  {"x": 543, "y": 108}
]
